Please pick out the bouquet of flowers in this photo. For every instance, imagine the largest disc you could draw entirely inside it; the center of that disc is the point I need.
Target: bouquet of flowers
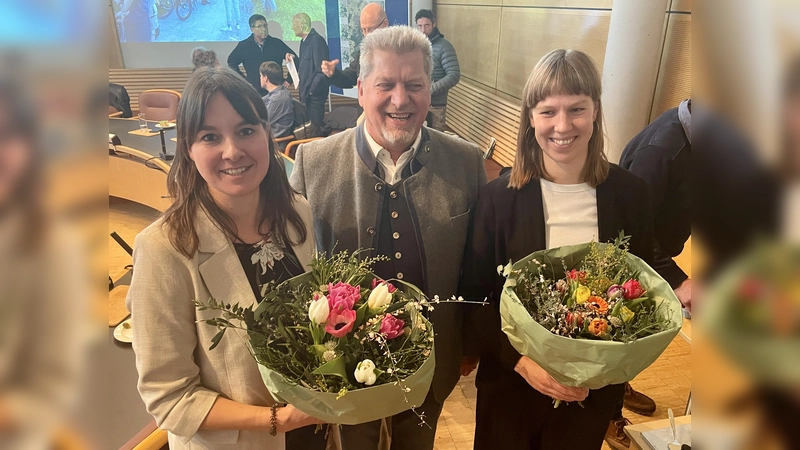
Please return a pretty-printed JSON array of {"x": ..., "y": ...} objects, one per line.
[
  {"x": 752, "y": 313},
  {"x": 589, "y": 314},
  {"x": 337, "y": 342}
]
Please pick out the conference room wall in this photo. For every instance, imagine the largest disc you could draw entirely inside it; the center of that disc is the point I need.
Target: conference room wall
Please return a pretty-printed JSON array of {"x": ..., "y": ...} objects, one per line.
[{"x": 499, "y": 41}]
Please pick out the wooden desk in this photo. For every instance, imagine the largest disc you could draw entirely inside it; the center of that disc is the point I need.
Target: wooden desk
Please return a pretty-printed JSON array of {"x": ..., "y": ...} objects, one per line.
[{"x": 635, "y": 431}]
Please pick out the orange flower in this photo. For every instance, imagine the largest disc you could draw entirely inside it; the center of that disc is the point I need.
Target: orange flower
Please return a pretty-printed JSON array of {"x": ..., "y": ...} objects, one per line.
[
  {"x": 597, "y": 304},
  {"x": 598, "y": 327}
]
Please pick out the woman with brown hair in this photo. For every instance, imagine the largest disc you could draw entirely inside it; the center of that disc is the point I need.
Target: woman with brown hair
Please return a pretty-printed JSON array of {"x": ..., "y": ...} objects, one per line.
[
  {"x": 234, "y": 226},
  {"x": 561, "y": 191}
]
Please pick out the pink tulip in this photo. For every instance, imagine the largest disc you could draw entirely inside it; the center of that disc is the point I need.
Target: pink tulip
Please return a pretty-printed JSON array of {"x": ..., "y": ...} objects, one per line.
[
  {"x": 391, "y": 326},
  {"x": 342, "y": 296}
]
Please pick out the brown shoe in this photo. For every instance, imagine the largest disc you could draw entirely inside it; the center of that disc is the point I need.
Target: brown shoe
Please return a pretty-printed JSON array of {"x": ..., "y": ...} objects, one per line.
[
  {"x": 615, "y": 435},
  {"x": 638, "y": 402}
]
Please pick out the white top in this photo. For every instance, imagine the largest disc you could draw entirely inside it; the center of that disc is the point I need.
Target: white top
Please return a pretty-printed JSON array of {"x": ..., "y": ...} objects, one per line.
[
  {"x": 392, "y": 171},
  {"x": 570, "y": 213}
]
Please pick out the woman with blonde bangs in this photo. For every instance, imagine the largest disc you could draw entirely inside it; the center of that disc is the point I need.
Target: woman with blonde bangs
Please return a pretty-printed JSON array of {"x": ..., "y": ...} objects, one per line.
[
  {"x": 561, "y": 191},
  {"x": 235, "y": 226}
]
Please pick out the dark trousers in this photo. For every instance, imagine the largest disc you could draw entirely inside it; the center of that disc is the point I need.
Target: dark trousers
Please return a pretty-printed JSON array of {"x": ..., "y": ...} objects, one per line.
[
  {"x": 407, "y": 434},
  {"x": 315, "y": 105},
  {"x": 511, "y": 415},
  {"x": 305, "y": 438}
]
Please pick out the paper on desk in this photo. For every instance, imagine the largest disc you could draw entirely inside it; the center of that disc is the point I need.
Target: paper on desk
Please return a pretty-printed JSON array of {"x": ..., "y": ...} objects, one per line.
[
  {"x": 293, "y": 72},
  {"x": 659, "y": 438}
]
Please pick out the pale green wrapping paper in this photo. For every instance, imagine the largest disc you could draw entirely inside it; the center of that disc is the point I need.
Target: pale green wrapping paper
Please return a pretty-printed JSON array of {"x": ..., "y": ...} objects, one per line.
[
  {"x": 768, "y": 358},
  {"x": 581, "y": 362},
  {"x": 357, "y": 406}
]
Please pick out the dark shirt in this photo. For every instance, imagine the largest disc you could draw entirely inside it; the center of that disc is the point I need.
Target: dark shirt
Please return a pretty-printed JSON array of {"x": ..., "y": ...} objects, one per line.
[
  {"x": 251, "y": 56},
  {"x": 280, "y": 111},
  {"x": 347, "y": 78},
  {"x": 661, "y": 155},
  {"x": 313, "y": 50},
  {"x": 265, "y": 262}
]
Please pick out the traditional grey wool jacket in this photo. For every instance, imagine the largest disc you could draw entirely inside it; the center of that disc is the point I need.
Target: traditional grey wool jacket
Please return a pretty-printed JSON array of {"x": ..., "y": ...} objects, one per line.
[{"x": 341, "y": 179}]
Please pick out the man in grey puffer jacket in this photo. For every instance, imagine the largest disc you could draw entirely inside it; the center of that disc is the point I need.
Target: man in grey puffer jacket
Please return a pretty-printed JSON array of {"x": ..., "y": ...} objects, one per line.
[{"x": 446, "y": 72}]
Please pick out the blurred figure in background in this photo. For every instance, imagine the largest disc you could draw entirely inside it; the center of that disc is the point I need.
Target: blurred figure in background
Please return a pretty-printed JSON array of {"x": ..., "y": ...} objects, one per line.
[
  {"x": 313, "y": 82},
  {"x": 40, "y": 289}
]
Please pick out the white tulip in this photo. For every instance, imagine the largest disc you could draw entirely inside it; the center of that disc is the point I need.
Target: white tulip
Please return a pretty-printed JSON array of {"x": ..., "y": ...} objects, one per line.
[
  {"x": 318, "y": 310},
  {"x": 380, "y": 296},
  {"x": 365, "y": 372}
]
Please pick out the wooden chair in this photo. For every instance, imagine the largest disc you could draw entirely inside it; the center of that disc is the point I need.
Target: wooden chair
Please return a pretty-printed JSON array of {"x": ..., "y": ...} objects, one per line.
[
  {"x": 159, "y": 104},
  {"x": 291, "y": 148}
]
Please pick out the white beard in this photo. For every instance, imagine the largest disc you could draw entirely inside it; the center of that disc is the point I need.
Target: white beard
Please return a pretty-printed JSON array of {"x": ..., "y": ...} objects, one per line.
[{"x": 398, "y": 136}]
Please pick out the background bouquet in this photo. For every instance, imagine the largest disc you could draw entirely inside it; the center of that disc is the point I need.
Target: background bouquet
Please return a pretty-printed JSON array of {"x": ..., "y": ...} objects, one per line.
[
  {"x": 337, "y": 342},
  {"x": 591, "y": 314}
]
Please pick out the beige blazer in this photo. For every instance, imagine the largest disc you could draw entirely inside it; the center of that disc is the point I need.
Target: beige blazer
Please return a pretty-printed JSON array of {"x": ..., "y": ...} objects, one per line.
[{"x": 179, "y": 378}]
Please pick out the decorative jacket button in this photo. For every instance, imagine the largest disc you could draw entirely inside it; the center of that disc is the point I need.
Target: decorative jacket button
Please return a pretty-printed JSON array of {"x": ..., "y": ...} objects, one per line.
[
  {"x": 378, "y": 186},
  {"x": 371, "y": 231},
  {"x": 396, "y": 235},
  {"x": 395, "y": 214},
  {"x": 397, "y": 255},
  {"x": 399, "y": 275},
  {"x": 393, "y": 194}
]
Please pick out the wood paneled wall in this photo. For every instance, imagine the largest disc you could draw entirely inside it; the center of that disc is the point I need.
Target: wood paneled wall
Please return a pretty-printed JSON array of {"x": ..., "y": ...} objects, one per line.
[{"x": 499, "y": 41}]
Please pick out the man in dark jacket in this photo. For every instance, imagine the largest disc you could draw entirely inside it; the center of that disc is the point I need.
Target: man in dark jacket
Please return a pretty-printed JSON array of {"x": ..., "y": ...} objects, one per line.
[
  {"x": 660, "y": 154},
  {"x": 446, "y": 71},
  {"x": 313, "y": 83},
  {"x": 372, "y": 17},
  {"x": 258, "y": 48}
]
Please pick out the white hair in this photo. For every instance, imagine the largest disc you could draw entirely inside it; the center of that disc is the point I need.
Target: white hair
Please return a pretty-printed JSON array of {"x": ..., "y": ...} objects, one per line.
[{"x": 399, "y": 39}]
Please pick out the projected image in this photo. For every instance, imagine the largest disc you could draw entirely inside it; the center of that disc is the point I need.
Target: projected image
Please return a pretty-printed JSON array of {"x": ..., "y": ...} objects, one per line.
[{"x": 206, "y": 20}]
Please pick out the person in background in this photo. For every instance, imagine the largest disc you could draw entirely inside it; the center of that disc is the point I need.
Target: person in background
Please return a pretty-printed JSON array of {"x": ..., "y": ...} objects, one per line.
[
  {"x": 232, "y": 16},
  {"x": 661, "y": 155},
  {"x": 313, "y": 83},
  {"x": 136, "y": 19},
  {"x": 561, "y": 191},
  {"x": 258, "y": 48},
  {"x": 372, "y": 18},
  {"x": 446, "y": 72},
  {"x": 406, "y": 192},
  {"x": 202, "y": 57},
  {"x": 231, "y": 203},
  {"x": 280, "y": 110}
]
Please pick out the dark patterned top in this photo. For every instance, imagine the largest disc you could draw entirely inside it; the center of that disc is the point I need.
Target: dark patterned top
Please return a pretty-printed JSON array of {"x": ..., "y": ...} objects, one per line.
[{"x": 266, "y": 261}]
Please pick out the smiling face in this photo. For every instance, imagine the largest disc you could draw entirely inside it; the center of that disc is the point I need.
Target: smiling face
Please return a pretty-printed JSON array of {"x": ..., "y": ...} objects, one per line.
[
  {"x": 231, "y": 155},
  {"x": 395, "y": 97},
  {"x": 563, "y": 125}
]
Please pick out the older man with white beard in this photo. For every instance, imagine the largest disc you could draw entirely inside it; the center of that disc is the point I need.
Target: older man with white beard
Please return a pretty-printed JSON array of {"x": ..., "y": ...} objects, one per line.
[{"x": 404, "y": 191}]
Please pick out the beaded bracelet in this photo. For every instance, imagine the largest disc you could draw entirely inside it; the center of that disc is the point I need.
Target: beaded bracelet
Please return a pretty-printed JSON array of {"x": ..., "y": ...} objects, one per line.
[{"x": 273, "y": 419}]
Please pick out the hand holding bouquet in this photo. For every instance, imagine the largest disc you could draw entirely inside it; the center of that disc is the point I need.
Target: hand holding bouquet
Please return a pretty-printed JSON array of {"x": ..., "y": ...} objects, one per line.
[{"x": 591, "y": 315}]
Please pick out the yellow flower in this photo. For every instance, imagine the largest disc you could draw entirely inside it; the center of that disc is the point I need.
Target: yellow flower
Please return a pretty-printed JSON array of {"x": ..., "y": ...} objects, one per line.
[
  {"x": 582, "y": 294},
  {"x": 626, "y": 314}
]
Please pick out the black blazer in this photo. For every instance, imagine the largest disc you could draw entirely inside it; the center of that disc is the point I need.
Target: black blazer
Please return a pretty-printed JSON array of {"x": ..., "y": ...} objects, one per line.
[{"x": 509, "y": 225}]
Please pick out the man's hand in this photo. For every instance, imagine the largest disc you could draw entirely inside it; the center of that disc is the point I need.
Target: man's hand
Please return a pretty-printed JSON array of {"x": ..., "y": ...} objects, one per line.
[
  {"x": 468, "y": 364},
  {"x": 540, "y": 380},
  {"x": 329, "y": 67},
  {"x": 286, "y": 84},
  {"x": 289, "y": 57},
  {"x": 684, "y": 294}
]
